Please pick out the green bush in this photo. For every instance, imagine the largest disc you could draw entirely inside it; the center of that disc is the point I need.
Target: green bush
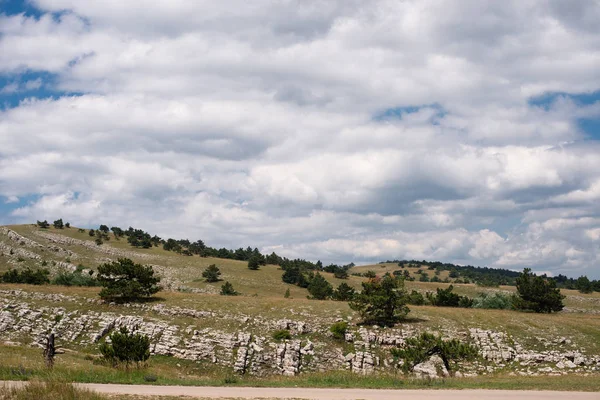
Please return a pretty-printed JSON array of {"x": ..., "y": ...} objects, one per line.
[
  {"x": 344, "y": 292},
  {"x": 416, "y": 298},
  {"x": 211, "y": 273},
  {"x": 419, "y": 349},
  {"x": 447, "y": 298},
  {"x": 27, "y": 276},
  {"x": 282, "y": 334},
  {"x": 495, "y": 301},
  {"x": 127, "y": 348},
  {"x": 228, "y": 290},
  {"x": 339, "y": 330},
  {"x": 76, "y": 278}
]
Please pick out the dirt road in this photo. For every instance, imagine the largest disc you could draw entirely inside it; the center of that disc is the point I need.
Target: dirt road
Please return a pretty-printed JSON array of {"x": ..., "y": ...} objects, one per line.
[{"x": 331, "y": 394}]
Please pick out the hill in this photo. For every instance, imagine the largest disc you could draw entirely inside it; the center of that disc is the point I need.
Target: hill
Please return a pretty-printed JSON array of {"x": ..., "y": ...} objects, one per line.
[{"x": 200, "y": 336}]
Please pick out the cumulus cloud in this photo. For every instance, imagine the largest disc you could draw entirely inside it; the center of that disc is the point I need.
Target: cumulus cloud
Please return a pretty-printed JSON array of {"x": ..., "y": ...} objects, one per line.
[{"x": 334, "y": 130}]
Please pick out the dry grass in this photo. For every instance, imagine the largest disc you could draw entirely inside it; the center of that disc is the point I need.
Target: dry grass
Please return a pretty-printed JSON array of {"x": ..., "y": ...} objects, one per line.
[{"x": 48, "y": 390}]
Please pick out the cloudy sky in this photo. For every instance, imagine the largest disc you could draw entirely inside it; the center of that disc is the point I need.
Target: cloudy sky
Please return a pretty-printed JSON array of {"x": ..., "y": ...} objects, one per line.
[{"x": 463, "y": 131}]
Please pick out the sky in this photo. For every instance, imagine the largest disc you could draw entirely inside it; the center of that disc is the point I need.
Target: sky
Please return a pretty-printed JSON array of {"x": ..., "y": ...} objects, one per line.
[{"x": 461, "y": 131}]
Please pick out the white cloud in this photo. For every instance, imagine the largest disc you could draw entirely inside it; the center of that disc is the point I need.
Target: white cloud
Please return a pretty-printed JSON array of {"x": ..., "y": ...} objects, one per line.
[{"x": 265, "y": 124}]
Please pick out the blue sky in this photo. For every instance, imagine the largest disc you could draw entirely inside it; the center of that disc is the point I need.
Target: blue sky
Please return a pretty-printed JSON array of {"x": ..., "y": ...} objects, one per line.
[{"x": 329, "y": 133}]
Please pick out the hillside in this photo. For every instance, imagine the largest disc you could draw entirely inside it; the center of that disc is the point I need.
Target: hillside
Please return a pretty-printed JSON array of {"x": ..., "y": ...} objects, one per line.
[{"x": 198, "y": 335}]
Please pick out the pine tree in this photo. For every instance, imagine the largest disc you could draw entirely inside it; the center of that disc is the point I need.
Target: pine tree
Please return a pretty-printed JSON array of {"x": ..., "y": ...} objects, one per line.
[{"x": 211, "y": 273}]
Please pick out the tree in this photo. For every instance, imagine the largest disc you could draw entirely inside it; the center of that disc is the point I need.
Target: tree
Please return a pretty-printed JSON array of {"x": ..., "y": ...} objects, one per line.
[
  {"x": 344, "y": 292},
  {"x": 419, "y": 349},
  {"x": 43, "y": 224},
  {"x": 126, "y": 347},
  {"x": 228, "y": 290},
  {"x": 124, "y": 280},
  {"x": 537, "y": 294},
  {"x": 58, "y": 224},
  {"x": 211, "y": 273},
  {"x": 254, "y": 263},
  {"x": 341, "y": 273},
  {"x": 381, "y": 301},
  {"x": 584, "y": 285},
  {"x": 370, "y": 274},
  {"x": 67, "y": 224},
  {"x": 319, "y": 288},
  {"x": 103, "y": 229},
  {"x": 92, "y": 232}
]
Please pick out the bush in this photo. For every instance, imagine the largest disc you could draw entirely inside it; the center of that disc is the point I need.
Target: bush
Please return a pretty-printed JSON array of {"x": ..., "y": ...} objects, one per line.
[
  {"x": 340, "y": 273},
  {"x": 58, "y": 224},
  {"x": 76, "y": 278},
  {"x": 286, "y": 295},
  {"x": 125, "y": 347},
  {"x": 446, "y": 298},
  {"x": 419, "y": 349},
  {"x": 319, "y": 288},
  {"x": 211, "y": 273},
  {"x": 370, "y": 274},
  {"x": 124, "y": 280},
  {"x": 537, "y": 294},
  {"x": 339, "y": 330},
  {"x": 496, "y": 301},
  {"x": 228, "y": 290},
  {"x": 254, "y": 263},
  {"x": 27, "y": 276},
  {"x": 415, "y": 298},
  {"x": 282, "y": 334},
  {"x": 382, "y": 301},
  {"x": 43, "y": 224}
]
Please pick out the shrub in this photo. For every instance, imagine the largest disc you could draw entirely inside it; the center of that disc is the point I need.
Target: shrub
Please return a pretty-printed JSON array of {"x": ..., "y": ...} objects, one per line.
[
  {"x": 340, "y": 273},
  {"x": 76, "y": 278},
  {"x": 537, "y": 294},
  {"x": 370, "y": 274},
  {"x": 584, "y": 285},
  {"x": 150, "y": 378},
  {"x": 125, "y": 347},
  {"x": 27, "y": 276},
  {"x": 382, "y": 301},
  {"x": 228, "y": 290},
  {"x": 286, "y": 295},
  {"x": 254, "y": 263},
  {"x": 446, "y": 298},
  {"x": 319, "y": 288},
  {"x": 281, "y": 334},
  {"x": 124, "y": 280},
  {"x": 58, "y": 224},
  {"x": 496, "y": 301},
  {"x": 419, "y": 349},
  {"x": 416, "y": 298},
  {"x": 211, "y": 273},
  {"x": 43, "y": 224},
  {"x": 339, "y": 330}
]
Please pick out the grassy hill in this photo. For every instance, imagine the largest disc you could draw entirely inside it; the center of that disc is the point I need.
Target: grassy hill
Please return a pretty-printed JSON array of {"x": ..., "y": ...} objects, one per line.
[{"x": 189, "y": 305}]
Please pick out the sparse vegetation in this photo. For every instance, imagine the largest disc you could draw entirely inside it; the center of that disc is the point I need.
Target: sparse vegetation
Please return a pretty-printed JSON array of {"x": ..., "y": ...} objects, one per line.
[
  {"x": 339, "y": 330},
  {"x": 281, "y": 334}
]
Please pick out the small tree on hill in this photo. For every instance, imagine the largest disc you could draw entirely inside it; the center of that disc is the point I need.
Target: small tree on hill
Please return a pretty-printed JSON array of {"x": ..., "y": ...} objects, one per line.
[
  {"x": 344, "y": 292},
  {"x": 381, "y": 301},
  {"x": 228, "y": 290},
  {"x": 125, "y": 280},
  {"x": 126, "y": 348},
  {"x": 58, "y": 224},
  {"x": 254, "y": 263},
  {"x": 43, "y": 224},
  {"x": 319, "y": 288},
  {"x": 211, "y": 273},
  {"x": 537, "y": 294},
  {"x": 419, "y": 349}
]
